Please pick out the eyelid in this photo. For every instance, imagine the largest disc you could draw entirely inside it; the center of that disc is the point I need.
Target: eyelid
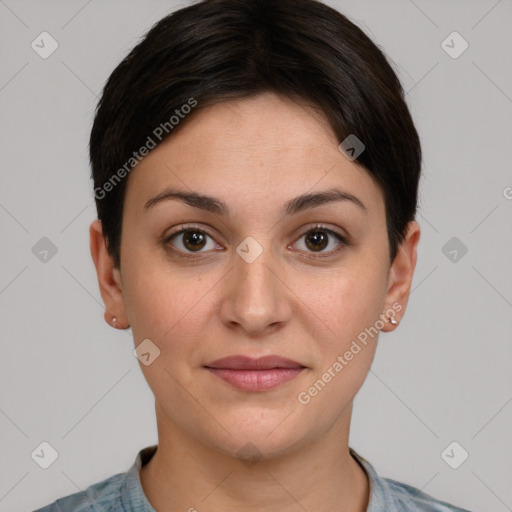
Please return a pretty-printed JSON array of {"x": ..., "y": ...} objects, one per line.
[
  {"x": 319, "y": 226},
  {"x": 187, "y": 227}
]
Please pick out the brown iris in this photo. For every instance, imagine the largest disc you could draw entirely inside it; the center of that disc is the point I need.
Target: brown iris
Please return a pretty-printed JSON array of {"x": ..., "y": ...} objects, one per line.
[
  {"x": 194, "y": 240},
  {"x": 319, "y": 240}
]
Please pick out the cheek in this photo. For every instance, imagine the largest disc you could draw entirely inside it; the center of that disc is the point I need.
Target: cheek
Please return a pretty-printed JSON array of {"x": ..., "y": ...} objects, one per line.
[
  {"x": 347, "y": 304},
  {"x": 168, "y": 309},
  {"x": 162, "y": 303},
  {"x": 346, "y": 339}
]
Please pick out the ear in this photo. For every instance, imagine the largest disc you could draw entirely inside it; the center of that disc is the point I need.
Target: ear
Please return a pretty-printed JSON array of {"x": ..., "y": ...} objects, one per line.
[
  {"x": 400, "y": 275},
  {"x": 109, "y": 278}
]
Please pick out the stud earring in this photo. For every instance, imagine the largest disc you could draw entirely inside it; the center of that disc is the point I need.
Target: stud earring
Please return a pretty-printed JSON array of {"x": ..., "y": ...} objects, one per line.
[
  {"x": 393, "y": 320},
  {"x": 114, "y": 320}
]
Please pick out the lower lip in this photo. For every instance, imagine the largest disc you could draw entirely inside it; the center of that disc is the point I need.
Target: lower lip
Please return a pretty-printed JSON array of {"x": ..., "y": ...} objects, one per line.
[{"x": 256, "y": 380}]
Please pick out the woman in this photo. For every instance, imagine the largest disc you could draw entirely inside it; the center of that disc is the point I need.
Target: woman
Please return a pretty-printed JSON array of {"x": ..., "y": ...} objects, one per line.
[{"x": 256, "y": 173}]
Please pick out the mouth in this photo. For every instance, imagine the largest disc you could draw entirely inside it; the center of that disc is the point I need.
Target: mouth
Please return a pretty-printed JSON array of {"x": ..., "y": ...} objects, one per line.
[
  {"x": 250, "y": 363},
  {"x": 250, "y": 374}
]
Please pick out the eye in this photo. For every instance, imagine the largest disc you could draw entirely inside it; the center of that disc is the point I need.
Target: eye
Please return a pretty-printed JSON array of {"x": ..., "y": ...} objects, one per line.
[
  {"x": 319, "y": 237},
  {"x": 191, "y": 239}
]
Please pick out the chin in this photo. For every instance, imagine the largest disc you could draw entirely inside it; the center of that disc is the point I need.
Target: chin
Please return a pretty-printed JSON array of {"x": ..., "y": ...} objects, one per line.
[{"x": 255, "y": 440}]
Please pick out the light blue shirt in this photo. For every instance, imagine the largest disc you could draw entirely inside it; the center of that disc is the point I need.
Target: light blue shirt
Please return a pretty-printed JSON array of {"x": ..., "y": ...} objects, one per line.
[{"x": 123, "y": 493}]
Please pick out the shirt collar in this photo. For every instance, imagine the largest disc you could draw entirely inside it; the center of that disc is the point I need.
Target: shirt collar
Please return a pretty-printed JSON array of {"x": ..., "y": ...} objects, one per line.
[
  {"x": 132, "y": 493},
  {"x": 381, "y": 498}
]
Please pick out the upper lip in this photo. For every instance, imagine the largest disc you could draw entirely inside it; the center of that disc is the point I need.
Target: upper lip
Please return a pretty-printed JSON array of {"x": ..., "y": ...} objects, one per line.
[{"x": 250, "y": 363}]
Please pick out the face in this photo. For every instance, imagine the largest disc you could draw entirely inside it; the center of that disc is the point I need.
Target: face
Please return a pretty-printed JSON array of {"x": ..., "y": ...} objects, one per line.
[{"x": 260, "y": 275}]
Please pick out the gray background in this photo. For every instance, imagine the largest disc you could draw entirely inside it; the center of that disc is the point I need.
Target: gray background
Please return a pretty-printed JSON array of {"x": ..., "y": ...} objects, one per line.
[{"x": 71, "y": 380}]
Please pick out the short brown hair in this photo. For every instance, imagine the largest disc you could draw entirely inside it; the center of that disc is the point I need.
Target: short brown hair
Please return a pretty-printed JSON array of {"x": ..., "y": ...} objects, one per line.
[{"x": 215, "y": 50}]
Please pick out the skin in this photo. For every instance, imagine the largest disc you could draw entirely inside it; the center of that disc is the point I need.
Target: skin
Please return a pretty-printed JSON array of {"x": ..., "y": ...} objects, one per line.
[{"x": 285, "y": 302}]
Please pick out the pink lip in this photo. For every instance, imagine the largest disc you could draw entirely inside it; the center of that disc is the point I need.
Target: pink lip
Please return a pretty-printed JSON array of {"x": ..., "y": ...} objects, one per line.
[
  {"x": 252, "y": 374},
  {"x": 256, "y": 380}
]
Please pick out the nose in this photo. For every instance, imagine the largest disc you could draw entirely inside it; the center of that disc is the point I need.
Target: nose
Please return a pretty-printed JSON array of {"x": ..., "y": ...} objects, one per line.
[{"x": 256, "y": 298}]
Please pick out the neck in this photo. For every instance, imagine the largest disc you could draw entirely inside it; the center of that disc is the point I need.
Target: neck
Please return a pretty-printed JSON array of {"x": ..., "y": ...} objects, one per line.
[{"x": 185, "y": 474}]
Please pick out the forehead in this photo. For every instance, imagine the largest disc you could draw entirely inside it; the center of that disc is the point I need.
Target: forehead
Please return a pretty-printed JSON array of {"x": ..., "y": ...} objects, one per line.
[{"x": 260, "y": 149}]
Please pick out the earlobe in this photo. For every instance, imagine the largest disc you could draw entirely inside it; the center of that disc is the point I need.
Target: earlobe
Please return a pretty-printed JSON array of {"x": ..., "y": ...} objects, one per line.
[{"x": 401, "y": 274}]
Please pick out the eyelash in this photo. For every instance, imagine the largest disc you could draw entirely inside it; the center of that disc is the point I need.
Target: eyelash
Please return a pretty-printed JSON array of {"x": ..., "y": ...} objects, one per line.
[{"x": 343, "y": 242}]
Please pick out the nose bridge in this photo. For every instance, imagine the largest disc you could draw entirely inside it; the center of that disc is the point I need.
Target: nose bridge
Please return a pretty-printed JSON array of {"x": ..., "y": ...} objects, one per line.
[
  {"x": 255, "y": 272},
  {"x": 256, "y": 297}
]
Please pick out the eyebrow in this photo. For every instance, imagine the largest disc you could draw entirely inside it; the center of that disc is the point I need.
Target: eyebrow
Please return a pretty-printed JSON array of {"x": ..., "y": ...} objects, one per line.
[{"x": 291, "y": 207}]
